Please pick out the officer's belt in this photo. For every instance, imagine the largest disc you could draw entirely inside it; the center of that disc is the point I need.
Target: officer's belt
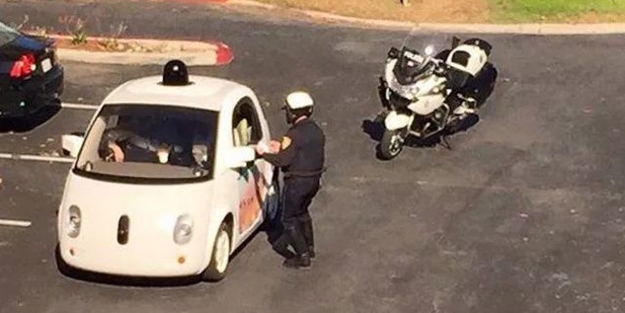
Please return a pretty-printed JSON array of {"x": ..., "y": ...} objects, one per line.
[{"x": 303, "y": 173}]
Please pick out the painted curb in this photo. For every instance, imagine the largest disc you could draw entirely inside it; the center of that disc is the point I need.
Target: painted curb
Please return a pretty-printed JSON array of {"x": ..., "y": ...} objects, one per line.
[
  {"x": 193, "y": 53},
  {"x": 526, "y": 29}
]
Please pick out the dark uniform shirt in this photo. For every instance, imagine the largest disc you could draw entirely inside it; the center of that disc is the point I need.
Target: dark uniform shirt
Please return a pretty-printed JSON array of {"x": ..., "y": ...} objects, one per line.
[{"x": 302, "y": 150}]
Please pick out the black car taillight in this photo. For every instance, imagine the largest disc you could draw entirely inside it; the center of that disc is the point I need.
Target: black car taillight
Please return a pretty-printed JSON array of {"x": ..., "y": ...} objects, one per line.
[{"x": 23, "y": 67}]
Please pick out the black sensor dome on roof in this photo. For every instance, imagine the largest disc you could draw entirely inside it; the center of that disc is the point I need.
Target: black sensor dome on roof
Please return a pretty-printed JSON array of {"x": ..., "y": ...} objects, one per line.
[{"x": 175, "y": 74}]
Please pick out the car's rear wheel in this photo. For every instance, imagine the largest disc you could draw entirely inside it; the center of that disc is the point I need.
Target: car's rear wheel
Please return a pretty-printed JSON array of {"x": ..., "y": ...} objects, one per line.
[{"x": 220, "y": 257}]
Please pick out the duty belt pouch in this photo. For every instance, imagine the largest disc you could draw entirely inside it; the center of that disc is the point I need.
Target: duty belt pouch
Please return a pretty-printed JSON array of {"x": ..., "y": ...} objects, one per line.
[{"x": 304, "y": 173}]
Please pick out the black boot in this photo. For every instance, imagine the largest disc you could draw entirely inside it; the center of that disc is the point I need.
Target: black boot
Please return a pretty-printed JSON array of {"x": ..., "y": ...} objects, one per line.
[
  {"x": 311, "y": 252},
  {"x": 307, "y": 231},
  {"x": 298, "y": 262}
]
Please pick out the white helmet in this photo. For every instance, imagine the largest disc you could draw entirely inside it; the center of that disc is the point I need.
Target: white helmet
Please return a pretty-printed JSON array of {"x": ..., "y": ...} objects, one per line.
[{"x": 299, "y": 100}]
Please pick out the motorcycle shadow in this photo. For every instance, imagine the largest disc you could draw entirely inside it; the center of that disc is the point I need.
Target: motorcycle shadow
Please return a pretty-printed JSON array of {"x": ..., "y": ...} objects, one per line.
[{"x": 375, "y": 129}]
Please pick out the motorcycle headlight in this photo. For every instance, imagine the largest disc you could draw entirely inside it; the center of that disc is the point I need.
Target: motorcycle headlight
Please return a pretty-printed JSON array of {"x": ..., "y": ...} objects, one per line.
[
  {"x": 183, "y": 230},
  {"x": 73, "y": 221},
  {"x": 409, "y": 92}
]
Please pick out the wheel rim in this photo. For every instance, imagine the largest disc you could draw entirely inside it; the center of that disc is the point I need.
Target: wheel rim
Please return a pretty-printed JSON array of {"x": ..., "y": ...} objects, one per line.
[
  {"x": 222, "y": 254},
  {"x": 395, "y": 144}
]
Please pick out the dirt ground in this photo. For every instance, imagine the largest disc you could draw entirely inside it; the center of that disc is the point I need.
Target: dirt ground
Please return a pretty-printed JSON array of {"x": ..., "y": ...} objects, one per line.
[
  {"x": 443, "y": 11},
  {"x": 464, "y": 11}
]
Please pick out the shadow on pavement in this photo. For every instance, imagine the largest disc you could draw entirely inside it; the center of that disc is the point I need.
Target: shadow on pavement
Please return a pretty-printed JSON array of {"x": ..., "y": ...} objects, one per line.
[{"x": 32, "y": 121}]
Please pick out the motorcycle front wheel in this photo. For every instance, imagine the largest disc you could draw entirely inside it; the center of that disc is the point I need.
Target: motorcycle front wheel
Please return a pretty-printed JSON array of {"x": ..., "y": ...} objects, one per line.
[{"x": 392, "y": 144}]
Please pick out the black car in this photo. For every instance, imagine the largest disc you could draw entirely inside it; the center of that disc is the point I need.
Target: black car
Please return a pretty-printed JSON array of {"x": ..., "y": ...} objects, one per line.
[{"x": 30, "y": 74}]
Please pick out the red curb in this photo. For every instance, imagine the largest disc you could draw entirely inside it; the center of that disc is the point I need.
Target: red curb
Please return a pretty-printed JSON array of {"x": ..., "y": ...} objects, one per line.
[{"x": 223, "y": 53}]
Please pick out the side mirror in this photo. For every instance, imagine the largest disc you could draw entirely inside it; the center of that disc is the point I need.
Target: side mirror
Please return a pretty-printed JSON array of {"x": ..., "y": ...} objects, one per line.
[
  {"x": 238, "y": 157},
  {"x": 455, "y": 42},
  {"x": 393, "y": 53},
  {"x": 71, "y": 143}
]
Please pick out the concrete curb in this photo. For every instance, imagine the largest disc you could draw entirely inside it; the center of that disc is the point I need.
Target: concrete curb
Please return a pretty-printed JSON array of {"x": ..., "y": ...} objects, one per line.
[
  {"x": 527, "y": 29},
  {"x": 193, "y": 53}
]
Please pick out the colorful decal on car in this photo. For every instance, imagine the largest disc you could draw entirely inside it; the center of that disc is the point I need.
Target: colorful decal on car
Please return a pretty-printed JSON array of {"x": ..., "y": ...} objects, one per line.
[{"x": 252, "y": 199}]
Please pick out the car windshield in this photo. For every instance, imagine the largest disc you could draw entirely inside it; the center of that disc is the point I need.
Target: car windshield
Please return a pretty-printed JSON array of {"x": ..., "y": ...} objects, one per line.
[
  {"x": 7, "y": 34},
  {"x": 150, "y": 142}
]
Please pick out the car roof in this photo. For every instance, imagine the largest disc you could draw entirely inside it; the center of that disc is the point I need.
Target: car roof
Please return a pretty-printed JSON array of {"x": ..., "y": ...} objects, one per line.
[{"x": 207, "y": 93}]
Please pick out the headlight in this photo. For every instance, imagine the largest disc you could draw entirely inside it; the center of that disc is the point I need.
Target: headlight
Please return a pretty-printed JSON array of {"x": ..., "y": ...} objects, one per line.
[
  {"x": 409, "y": 92},
  {"x": 183, "y": 230},
  {"x": 73, "y": 222}
]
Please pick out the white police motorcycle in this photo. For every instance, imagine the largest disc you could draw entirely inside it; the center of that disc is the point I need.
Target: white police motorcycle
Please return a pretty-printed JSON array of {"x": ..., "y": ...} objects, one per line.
[{"x": 428, "y": 95}]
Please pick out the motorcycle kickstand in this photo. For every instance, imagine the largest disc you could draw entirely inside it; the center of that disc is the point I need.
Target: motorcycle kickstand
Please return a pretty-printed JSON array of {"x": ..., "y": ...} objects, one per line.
[{"x": 445, "y": 143}]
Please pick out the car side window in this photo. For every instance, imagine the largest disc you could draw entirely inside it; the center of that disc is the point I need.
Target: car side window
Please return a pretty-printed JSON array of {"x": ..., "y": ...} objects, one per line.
[{"x": 246, "y": 125}]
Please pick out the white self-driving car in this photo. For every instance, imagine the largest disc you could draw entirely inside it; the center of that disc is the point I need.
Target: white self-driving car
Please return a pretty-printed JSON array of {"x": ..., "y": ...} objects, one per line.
[{"x": 166, "y": 181}]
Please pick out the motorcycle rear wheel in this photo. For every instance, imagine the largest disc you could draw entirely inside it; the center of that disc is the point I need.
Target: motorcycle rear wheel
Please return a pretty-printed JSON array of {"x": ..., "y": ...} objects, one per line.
[{"x": 391, "y": 144}]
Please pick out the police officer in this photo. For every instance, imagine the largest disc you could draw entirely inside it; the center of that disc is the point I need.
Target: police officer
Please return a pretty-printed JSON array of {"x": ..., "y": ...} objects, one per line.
[{"x": 301, "y": 156}]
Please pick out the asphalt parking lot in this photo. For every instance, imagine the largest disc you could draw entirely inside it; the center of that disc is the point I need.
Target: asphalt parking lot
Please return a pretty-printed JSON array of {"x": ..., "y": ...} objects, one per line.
[{"x": 525, "y": 214}]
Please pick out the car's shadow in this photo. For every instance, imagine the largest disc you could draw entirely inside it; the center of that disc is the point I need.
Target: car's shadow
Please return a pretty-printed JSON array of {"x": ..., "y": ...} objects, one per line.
[{"x": 30, "y": 122}]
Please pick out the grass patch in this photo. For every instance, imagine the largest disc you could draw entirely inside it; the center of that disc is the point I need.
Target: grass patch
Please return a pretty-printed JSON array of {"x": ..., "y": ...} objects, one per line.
[{"x": 558, "y": 10}]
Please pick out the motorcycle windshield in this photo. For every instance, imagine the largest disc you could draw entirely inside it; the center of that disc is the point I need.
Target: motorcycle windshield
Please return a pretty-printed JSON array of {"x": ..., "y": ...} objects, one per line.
[
  {"x": 416, "y": 54},
  {"x": 409, "y": 68}
]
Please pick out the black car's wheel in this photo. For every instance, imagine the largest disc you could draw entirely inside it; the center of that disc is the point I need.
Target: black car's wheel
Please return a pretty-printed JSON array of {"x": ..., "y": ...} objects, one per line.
[{"x": 391, "y": 145}]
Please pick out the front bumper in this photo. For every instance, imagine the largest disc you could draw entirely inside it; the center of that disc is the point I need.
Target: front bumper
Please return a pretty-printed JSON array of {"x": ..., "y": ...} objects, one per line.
[
  {"x": 135, "y": 260},
  {"x": 30, "y": 96}
]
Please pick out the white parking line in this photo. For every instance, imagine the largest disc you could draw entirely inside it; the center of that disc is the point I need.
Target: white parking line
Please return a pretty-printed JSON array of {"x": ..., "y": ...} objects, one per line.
[
  {"x": 27, "y": 157},
  {"x": 14, "y": 223},
  {"x": 78, "y": 106}
]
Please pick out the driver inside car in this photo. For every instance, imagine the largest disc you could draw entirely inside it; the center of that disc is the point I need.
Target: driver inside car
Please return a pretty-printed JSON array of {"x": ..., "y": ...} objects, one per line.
[
  {"x": 153, "y": 140},
  {"x": 120, "y": 145}
]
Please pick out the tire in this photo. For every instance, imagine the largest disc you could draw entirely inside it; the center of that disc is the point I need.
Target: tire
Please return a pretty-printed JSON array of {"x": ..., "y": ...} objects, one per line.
[
  {"x": 391, "y": 144},
  {"x": 220, "y": 256}
]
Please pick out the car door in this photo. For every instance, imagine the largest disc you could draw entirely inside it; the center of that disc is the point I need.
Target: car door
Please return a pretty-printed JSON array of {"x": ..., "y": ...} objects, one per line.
[{"x": 251, "y": 182}]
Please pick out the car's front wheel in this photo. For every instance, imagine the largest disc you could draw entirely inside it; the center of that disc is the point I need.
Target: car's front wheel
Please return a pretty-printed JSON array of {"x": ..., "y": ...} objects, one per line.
[{"x": 220, "y": 256}]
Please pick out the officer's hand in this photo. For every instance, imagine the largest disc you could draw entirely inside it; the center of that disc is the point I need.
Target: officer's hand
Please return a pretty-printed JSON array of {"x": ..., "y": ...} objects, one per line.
[
  {"x": 259, "y": 149},
  {"x": 274, "y": 146},
  {"x": 118, "y": 153}
]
